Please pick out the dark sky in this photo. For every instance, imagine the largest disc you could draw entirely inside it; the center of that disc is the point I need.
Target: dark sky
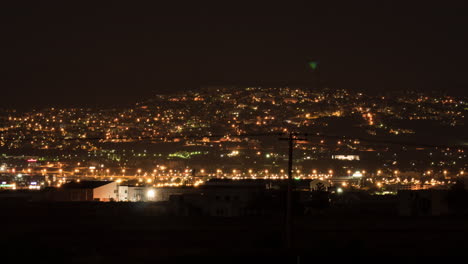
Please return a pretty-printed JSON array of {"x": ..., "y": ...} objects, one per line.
[{"x": 71, "y": 53}]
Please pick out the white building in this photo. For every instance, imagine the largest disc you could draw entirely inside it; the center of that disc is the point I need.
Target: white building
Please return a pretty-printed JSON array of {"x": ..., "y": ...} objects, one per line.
[
  {"x": 106, "y": 192},
  {"x": 102, "y": 191},
  {"x": 137, "y": 194},
  {"x": 122, "y": 193},
  {"x": 345, "y": 157}
]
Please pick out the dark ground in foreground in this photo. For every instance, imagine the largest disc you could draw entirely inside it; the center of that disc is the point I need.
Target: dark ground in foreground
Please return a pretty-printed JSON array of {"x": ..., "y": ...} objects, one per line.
[{"x": 132, "y": 233}]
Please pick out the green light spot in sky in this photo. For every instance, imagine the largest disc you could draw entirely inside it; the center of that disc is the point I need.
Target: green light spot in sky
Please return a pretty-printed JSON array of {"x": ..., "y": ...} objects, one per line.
[{"x": 313, "y": 65}]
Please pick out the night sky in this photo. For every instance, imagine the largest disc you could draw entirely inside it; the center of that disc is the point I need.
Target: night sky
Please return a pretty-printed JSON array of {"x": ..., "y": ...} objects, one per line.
[{"x": 70, "y": 54}]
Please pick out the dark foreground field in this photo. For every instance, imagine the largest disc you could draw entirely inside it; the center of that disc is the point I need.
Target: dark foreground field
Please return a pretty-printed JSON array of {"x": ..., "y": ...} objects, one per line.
[{"x": 134, "y": 233}]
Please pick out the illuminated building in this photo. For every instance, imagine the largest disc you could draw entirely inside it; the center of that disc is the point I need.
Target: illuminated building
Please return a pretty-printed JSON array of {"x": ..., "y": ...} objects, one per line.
[{"x": 102, "y": 191}]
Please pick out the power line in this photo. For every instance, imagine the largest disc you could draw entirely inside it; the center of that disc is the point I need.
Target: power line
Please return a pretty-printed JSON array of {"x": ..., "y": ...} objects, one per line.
[{"x": 307, "y": 135}]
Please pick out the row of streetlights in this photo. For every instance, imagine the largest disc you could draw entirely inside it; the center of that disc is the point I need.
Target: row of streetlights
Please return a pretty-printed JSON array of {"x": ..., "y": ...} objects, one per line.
[{"x": 250, "y": 171}]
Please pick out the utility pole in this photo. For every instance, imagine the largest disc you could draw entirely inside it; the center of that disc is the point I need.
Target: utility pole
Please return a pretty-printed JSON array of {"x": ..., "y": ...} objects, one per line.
[{"x": 289, "y": 214}]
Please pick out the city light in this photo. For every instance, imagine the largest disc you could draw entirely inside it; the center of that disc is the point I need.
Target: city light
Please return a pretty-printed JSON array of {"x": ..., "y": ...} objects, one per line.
[
  {"x": 151, "y": 194},
  {"x": 189, "y": 135},
  {"x": 357, "y": 174}
]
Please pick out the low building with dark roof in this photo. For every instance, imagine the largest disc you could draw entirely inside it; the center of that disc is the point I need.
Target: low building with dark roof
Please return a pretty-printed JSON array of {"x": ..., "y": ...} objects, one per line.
[{"x": 102, "y": 191}]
